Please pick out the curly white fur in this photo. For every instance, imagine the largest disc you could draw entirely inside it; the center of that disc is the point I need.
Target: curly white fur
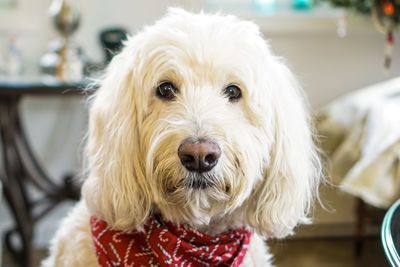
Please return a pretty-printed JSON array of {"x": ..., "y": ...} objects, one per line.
[{"x": 269, "y": 170}]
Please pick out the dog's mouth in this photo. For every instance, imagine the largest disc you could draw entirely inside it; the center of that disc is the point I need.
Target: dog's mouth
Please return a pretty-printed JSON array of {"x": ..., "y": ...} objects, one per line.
[{"x": 198, "y": 181}]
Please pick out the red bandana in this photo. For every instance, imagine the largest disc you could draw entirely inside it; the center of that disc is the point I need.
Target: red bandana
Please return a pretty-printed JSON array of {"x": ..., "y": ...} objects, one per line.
[{"x": 166, "y": 244}]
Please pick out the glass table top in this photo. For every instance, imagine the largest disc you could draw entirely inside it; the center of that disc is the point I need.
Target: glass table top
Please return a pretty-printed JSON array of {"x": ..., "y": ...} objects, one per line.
[{"x": 36, "y": 84}]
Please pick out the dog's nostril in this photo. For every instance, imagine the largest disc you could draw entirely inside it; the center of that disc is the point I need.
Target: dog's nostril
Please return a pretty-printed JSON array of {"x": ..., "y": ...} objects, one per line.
[
  {"x": 199, "y": 156},
  {"x": 210, "y": 158},
  {"x": 187, "y": 159}
]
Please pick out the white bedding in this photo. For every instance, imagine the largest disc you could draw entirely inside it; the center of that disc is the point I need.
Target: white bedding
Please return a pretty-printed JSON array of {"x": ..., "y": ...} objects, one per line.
[{"x": 360, "y": 134}]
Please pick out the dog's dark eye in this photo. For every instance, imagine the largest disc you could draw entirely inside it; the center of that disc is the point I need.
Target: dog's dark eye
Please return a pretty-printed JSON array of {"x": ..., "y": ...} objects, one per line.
[
  {"x": 166, "y": 91},
  {"x": 233, "y": 92}
]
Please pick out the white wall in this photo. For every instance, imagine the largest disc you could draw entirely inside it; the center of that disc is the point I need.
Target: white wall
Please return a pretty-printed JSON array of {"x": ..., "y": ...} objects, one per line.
[
  {"x": 29, "y": 19},
  {"x": 327, "y": 65},
  {"x": 330, "y": 66}
]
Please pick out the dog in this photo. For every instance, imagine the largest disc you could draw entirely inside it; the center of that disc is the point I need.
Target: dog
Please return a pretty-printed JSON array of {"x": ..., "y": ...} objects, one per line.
[{"x": 196, "y": 127}]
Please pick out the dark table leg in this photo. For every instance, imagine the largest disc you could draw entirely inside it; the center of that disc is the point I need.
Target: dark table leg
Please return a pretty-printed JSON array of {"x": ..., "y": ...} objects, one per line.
[
  {"x": 21, "y": 171},
  {"x": 360, "y": 228}
]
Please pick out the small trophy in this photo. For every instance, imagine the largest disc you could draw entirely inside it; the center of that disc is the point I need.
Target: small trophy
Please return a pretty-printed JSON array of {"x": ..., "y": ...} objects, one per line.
[{"x": 63, "y": 59}]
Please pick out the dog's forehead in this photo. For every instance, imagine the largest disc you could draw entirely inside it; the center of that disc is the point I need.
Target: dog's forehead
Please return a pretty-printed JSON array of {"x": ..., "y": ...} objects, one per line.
[
  {"x": 183, "y": 41},
  {"x": 207, "y": 30}
]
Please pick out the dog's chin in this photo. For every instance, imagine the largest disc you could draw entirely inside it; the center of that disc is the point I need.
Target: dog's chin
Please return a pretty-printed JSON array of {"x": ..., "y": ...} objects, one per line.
[
  {"x": 199, "y": 198},
  {"x": 195, "y": 198}
]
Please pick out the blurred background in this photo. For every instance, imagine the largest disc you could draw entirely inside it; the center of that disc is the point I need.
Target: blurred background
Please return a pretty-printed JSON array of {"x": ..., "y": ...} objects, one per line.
[{"x": 346, "y": 57}]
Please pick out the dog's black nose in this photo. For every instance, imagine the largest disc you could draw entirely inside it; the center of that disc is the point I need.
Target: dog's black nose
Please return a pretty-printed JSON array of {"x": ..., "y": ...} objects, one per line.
[{"x": 199, "y": 156}]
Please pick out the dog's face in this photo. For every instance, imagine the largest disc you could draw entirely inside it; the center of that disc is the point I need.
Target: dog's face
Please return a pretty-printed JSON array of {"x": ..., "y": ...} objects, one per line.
[{"x": 197, "y": 119}]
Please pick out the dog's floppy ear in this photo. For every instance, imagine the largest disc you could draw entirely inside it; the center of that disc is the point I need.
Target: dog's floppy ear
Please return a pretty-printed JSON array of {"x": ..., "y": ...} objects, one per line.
[
  {"x": 284, "y": 197},
  {"x": 115, "y": 189}
]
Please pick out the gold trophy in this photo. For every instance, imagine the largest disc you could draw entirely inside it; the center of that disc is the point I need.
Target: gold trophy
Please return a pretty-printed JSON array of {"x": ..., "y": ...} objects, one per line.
[{"x": 64, "y": 59}]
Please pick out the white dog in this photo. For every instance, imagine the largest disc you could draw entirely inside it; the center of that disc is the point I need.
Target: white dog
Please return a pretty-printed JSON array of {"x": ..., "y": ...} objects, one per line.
[{"x": 196, "y": 127}]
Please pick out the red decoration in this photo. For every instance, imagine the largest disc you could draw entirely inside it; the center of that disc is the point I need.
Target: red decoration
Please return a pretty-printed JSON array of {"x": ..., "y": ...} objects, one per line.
[
  {"x": 384, "y": 13},
  {"x": 389, "y": 49},
  {"x": 388, "y": 8},
  {"x": 390, "y": 38},
  {"x": 165, "y": 244}
]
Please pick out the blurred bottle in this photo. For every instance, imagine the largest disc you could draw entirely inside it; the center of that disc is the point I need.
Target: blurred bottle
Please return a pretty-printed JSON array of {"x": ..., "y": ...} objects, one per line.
[
  {"x": 111, "y": 40},
  {"x": 265, "y": 6},
  {"x": 13, "y": 58},
  {"x": 302, "y": 4}
]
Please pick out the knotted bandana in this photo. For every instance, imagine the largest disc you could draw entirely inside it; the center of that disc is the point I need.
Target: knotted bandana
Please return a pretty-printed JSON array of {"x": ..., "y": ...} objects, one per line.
[{"x": 165, "y": 244}]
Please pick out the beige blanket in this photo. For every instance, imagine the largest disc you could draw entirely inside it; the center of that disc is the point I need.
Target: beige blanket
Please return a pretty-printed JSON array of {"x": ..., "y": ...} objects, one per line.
[{"x": 360, "y": 134}]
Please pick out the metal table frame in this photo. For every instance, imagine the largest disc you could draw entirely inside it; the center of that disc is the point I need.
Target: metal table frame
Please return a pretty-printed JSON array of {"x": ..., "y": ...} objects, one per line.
[{"x": 22, "y": 169}]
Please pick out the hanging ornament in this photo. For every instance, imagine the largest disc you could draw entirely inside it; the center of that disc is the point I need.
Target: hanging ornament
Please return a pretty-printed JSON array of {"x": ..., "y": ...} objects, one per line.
[
  {"x": 385, "y": 14},
  {"x": 342, "y": 25},
  {"x": 389, "y": 49}
]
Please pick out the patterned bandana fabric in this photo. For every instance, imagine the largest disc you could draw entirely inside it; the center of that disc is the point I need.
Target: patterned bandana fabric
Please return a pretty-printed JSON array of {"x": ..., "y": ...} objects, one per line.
[{"x": 165, "y": 244}]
